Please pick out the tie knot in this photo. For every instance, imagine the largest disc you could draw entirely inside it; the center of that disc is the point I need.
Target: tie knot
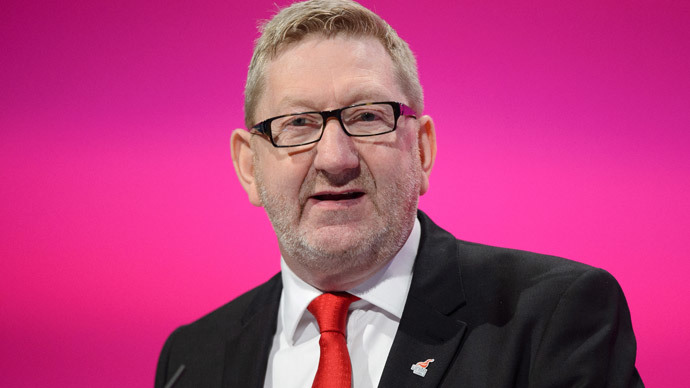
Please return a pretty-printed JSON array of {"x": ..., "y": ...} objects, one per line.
[{"x": 330, "y": 310}]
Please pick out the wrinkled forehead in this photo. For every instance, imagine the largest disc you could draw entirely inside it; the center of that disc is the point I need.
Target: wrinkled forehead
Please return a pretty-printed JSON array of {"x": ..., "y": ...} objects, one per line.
[
  {"x": 290, "y": 41},
  {"x": 325, "y": 72}
]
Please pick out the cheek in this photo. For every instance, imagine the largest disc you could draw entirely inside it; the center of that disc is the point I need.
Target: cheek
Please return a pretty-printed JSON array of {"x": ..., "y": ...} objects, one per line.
[
  {"x": 390, "y": 169},
  {"x": 398, "y": 152},
  {"x": 287, "y": 173}
]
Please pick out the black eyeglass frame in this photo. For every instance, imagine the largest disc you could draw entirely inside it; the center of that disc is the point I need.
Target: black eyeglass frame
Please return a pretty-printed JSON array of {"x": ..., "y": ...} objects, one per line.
[{"x": 399, "y": 109}]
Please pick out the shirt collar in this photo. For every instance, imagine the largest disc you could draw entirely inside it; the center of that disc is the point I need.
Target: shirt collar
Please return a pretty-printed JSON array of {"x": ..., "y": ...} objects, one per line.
[{"x": 387, "y": 289}]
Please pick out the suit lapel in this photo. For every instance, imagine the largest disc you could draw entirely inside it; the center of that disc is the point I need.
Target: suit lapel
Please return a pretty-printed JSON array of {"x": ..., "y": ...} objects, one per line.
[
  {"x": 246, "y": 353},
  {"x": 427, "y": 328}
]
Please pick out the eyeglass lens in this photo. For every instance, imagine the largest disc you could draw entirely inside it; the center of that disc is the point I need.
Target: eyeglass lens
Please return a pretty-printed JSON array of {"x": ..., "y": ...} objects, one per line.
[{"x": 363, "y": 120}]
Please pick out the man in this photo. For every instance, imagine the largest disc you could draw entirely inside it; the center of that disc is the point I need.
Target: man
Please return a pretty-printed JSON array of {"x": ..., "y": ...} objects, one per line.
[{"x": 411, "y": 306}]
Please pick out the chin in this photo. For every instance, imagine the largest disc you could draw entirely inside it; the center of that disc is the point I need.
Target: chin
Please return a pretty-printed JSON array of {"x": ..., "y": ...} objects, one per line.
[
  {"x": 337, "y": 250},
  {"x": 335, "y": 246}
]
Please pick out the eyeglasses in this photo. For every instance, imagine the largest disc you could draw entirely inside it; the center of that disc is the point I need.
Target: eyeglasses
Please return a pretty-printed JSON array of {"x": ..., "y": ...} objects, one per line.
[{"x": 360, "y": 120}]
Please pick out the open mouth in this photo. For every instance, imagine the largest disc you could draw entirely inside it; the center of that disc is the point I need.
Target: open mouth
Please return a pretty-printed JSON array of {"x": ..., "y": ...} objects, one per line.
[{"x": 339, "y": 197}]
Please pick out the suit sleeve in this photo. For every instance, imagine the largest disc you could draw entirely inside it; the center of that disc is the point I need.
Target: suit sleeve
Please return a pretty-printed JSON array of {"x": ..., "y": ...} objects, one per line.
[
  {"x": 162, "y": 372},
  {"x": 588, "y": 341}
]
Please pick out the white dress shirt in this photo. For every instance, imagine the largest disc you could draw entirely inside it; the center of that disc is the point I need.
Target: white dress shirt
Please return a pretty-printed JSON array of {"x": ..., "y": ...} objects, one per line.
[{"x": 371, "y": 325}]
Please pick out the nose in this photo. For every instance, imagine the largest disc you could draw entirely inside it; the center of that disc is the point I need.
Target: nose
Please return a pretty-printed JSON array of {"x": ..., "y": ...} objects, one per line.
[{"x": 335, "y": 152}]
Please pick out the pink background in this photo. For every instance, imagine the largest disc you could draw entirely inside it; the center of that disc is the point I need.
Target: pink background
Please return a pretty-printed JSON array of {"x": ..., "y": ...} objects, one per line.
[{"x": 563, "y": 128}]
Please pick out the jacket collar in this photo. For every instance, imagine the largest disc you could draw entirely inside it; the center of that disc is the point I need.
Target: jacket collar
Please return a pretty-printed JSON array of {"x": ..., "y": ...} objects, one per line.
[
  {"x": 428, "y": 329},
  {"x": 247, "y": 350}
]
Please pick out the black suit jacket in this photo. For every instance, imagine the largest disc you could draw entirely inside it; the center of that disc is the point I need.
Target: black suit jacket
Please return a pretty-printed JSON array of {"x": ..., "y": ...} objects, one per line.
[{"x": 489, "y": 317}]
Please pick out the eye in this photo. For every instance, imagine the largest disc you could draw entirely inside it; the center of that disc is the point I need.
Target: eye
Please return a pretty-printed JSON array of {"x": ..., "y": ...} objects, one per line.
[
  {"x": 297, "y": 122},
  {"x": 368, "y": 116},
  {"x": 364, "y": 116}
]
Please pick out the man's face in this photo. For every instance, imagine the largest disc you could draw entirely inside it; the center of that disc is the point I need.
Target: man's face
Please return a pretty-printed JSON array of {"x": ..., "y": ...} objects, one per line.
[{"x": 343, "y": 207}]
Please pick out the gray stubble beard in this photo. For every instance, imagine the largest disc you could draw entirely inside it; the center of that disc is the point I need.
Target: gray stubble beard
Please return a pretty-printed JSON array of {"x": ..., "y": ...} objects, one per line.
[{"x": 374, "y": 250}]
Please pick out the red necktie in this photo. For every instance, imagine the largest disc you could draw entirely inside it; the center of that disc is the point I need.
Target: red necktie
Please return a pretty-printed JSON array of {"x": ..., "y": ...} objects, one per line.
[{"x": 330, "y": 311}]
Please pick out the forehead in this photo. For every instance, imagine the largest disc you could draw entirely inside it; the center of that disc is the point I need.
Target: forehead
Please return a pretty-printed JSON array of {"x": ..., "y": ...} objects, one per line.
[{"x": 320, "y": 72}]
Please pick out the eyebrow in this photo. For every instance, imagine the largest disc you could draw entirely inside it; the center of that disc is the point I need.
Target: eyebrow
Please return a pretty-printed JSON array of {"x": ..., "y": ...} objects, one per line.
[{"x": 289, "y": 102}]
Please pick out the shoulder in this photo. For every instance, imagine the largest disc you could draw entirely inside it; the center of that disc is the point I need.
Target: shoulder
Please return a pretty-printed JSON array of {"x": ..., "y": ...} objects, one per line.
[
  {"x": 510, "y": 281},
  {"x": 547, "y": 298},
  {"x": 201, "y": 345},
  {"x": 496, "y": 270},
  {"x": 230, "y": 317},
  {"x": 481, "y": 265},
  {"x": 560, "y": 322},
  {"x": 523, "y": 268},
  {"x": 207, "y": 334}
]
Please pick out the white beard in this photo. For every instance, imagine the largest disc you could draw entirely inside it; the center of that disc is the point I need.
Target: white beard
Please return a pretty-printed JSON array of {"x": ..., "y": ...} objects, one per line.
[{"x": 395, "y": 208}]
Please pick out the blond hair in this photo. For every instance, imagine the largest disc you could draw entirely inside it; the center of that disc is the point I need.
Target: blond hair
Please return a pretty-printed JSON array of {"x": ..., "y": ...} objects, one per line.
[{"x": 328, "y": 17}]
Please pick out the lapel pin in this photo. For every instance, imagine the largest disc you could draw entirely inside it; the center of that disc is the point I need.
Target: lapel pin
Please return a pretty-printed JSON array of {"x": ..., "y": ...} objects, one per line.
[{"x": 420, "y": 368}]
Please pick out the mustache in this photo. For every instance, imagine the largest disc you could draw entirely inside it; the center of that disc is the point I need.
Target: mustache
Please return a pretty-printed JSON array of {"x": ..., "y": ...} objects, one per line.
[{"x": 359, "y": 178}]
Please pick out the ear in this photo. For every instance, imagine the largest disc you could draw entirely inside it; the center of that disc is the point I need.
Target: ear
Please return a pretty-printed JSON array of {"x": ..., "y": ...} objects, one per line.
[
  {"x": 427, "y": 149},
  {"x": 243, "y": 160}
]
